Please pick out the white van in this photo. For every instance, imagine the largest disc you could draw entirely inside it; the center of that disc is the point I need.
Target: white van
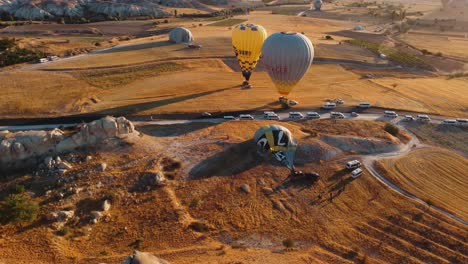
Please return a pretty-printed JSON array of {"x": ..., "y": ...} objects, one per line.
[
  {"x": 267, "y": 113},
  {"x": 296, "y": 115},
  {"x": 450, "y": 122},
  {"x": 337, "y": 115},
  {"x": 423, "y": 118},
  {"x": 312, "y": 115},
  {"x": 356, "y": 173},
  {"x": 354, "y": 164},
  {"x": 246, "y": 117},
  {"x": 229, "y": 117},
  {"x": 273, "y": 116},
  {"x": 392, "y": 114},
  {"x": 329, "y": 105},
  {"x": 364, "y": 105},
  {"x": 462, "y": 121},
  {"x": 43, "y": 60}
]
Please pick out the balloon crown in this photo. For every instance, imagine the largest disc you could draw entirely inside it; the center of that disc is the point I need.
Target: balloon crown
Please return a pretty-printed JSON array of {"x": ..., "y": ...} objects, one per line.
[{"x": 288, "y": 33}]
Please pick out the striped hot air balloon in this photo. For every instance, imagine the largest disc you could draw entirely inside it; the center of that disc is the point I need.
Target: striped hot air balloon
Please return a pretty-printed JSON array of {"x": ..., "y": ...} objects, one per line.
[
  {"x": 287, "y": 56},
  {"x": 247, "y": 41},
  {"x": 278, "y": 141}
]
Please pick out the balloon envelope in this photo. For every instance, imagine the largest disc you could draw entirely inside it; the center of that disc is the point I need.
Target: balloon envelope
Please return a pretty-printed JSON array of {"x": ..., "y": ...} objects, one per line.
[
  {"x": 287, "y": 57},
  {"x": 180, "y": 35},
  {"x": 247, "y": 41},
  {"x": 318, "y": 4},
  {"x": 278, "y": 141}
]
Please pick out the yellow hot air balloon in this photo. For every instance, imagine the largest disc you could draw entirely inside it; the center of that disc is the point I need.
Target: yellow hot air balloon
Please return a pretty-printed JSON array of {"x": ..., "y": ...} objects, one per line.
[{"x": 247, "y": 41}]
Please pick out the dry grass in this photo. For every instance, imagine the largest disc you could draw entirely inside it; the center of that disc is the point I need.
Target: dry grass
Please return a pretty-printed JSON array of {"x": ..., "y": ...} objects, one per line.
[
  {"x": 227, "y": 22},
  {"x": 432, "y": 95},
  {"x": 117, "y": 77},
  {"x": 41, "y": 93},
  {"x": 435, "y": 175},
  {"x": 452, "y": 46},
  {"x": 444, "y": 136}
]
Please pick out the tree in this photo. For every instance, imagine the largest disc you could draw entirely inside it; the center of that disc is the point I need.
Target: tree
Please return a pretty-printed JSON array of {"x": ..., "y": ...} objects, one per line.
[
  {"x": 18, "y": 209},
  {"x": 7, "y": 43},
  {"x": 175, "y": 12},
  {"x": 61, "y": 20}
]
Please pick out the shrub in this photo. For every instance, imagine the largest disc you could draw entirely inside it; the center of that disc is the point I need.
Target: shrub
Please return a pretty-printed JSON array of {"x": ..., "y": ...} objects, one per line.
[
  {"x": 289, "y": 243},
  {"x": 195, "y": 203},
  {"x": 19, "y": 189},
  {"x": 391, "y": 129},
  {"x": 18, "y": 209},
  {"x": 199, "y": 227},
  {"x": 63, "y": 231}
]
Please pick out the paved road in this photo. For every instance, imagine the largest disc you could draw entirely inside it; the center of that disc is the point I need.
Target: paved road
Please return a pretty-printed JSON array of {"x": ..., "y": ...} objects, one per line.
[{"x": 283, "y": 115}]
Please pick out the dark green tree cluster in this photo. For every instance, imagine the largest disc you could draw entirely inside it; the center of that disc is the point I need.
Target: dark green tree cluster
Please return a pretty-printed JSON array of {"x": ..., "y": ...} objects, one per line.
[{"x": 11, "y": 54}]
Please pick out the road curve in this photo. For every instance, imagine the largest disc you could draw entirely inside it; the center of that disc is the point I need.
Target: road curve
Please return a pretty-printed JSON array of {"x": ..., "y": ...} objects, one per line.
[{"x": 414, "y": 143}]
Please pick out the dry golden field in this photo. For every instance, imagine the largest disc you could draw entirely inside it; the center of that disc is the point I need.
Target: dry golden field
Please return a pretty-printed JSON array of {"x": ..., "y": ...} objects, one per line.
[{"x": 433, "y": 174}]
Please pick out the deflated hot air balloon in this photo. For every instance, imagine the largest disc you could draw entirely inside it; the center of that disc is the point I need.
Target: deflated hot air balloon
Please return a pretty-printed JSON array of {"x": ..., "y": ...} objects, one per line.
[
  {"x": 247, "y": 41},
  {"x": 287, "y": 56},
  {"x": 180, "y": 35},
  {"x": 278, "y": 141}
]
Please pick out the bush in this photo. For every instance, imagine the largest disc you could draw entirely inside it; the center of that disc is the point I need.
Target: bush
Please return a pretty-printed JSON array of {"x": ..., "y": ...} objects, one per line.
[
  {"x": 18, "y": 209},
  {"x": 199, "y": 227},
  {"x": 18, "y": 189},
  {"x": 289, "y": 243},
  {"x": 391, "y": 129},
  {"x": 195, "y": 203},
  {"x": 63, "y": 231}
]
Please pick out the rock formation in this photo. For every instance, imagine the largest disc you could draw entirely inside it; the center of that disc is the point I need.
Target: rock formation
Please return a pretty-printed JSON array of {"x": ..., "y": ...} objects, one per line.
[{"x": 27, "y": 146}]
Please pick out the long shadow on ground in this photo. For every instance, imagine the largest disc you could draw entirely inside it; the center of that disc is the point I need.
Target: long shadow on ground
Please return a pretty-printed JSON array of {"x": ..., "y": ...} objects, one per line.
[
  {"x": 140, "y": 107},
  {"x": 233, "y": 160}
]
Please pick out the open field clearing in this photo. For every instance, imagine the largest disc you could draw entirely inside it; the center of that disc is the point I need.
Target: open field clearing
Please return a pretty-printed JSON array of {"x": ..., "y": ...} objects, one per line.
[
  {"x": 361, "y": 221},
  {"x": 216, "y": 41},
  {"x": 435, "y": 95},
  {"x": 436, "y": 175},
  {"x": 451, "y": 46},
  {"x": 42, "y": 93},
  {"x": 212, "y": 81}
]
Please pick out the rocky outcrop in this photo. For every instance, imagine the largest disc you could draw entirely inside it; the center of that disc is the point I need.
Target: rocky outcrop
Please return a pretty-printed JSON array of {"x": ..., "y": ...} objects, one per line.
[
  {"x": 27, "y": 146},
  {"x": 45, "y": 9}
]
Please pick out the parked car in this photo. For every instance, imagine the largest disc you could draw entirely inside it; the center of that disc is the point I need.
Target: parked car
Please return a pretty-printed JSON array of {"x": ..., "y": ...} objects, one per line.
[
  {"x": 267, "y": 113},
  {"x": 340, "y": 101},
  {"x": 206, "y": 114},
  {"x": 329, "y": 105},
  {"x": 408, "y": 118},
  {"x": 293, "y": 102},
  {"x": 296, "y": 115},
  {"x": 423, "y": 118},
  {"x": 391, "y": 114},
  {"x": 43, "y": 60},
  {"x": 354, "y": 114},
  {"x": 364, "y": 105},
  {"x": 356, "y": 173},
  {"x": 462, "y": 121},
  {"x": 312, "y": 115},
  {"x": 337, "y": 115},
  {"x": 229, "y": 118},
  {"x": 353, "y": 164},
  {"x": 450, "y": 122},
  {"x": 273, "y": 116},
  {"x": 246, "y": 117}
]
